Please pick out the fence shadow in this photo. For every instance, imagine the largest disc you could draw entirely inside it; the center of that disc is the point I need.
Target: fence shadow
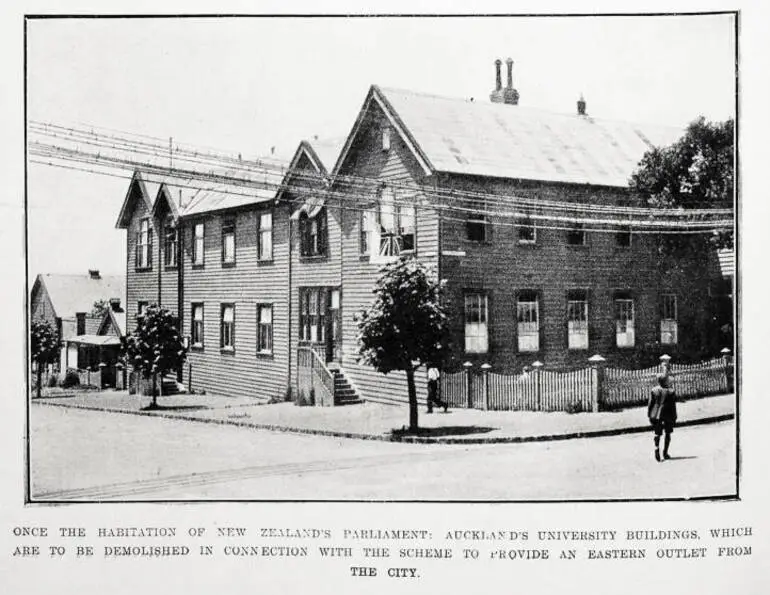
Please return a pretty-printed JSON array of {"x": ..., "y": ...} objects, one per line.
[
  {"x": 444, "y": 431},
  {"x": 174, "y": 408}
]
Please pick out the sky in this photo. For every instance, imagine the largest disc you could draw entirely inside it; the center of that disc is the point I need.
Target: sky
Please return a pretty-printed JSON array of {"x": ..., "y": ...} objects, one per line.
[{"x": 248, "y": 84}]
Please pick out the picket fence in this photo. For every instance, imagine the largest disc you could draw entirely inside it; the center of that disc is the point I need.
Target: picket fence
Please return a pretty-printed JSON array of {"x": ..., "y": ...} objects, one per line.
[{"x": 594, "y": 388}]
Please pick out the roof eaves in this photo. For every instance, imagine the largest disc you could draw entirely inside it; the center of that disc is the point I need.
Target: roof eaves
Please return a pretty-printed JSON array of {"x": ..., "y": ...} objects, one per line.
[{"x": 375, "y": 94}]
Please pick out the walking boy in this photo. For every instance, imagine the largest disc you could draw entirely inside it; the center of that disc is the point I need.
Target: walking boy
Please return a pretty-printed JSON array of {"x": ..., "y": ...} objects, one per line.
[{"x": 661, "y": 410}]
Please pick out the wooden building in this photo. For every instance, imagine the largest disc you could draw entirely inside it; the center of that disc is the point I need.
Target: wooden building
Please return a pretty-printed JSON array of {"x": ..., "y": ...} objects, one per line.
[{"x": 258, "y": 278}]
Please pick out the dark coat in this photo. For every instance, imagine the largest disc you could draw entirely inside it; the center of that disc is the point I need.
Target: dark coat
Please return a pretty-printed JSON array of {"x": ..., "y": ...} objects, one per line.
[{"x": 662, "y": 405}]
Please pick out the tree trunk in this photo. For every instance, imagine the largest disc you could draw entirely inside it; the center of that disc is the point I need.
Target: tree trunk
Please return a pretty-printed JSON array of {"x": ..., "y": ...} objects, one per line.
[
  {"x": 412, "y": 399},
  {"x": 154, "y": 395},
  {"x": 39, "y": 379}
]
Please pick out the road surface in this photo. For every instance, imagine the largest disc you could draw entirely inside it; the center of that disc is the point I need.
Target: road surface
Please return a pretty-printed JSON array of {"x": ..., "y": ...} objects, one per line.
[{"x": 83, "y": 455}]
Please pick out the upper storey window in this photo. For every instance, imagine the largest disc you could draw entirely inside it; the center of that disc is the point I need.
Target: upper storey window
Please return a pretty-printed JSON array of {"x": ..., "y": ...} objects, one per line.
[
  {"x": 313, "y": 234},
  {"x": 144, "y": 245}
]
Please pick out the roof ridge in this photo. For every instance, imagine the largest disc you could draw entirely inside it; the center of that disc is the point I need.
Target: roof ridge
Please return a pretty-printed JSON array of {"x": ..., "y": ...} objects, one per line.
[{"x": 527, "y": 108}]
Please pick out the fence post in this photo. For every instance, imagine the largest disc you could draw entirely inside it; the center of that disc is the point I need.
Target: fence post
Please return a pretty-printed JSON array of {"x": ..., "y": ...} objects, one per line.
[
  {"x": 538, "y": 382},
  {"x": 189, "y": 377},
  {"x": 727, "y": 360},
  {"x": 596, "y": 362},
  {"x": 485, "y": 379},
  {"x": 119, "y": 376},
  {"x": 102, "y": 365},
  {"x": 468, "y": 378}
]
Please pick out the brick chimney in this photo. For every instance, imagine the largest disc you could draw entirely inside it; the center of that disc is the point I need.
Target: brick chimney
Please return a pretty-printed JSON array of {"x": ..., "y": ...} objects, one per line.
[
  {"x": 80, "y": 323},
  {"x": 581, "y": 106},
  {"x": 115, "y": 305},
  {"x": 510, "y": 95},
  {"x": 496, "y": 96},
  {"x": 94, "y": 274}
]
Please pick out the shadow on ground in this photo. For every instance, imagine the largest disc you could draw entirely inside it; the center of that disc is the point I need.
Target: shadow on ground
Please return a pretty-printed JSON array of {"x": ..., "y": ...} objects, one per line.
[
  {"x": 174, "y": 408},
  {"x": 443, "y": 431}
]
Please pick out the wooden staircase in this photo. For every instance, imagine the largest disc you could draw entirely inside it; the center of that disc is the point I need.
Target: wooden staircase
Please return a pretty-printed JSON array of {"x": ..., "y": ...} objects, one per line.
[{"x": 344, "y": 393}]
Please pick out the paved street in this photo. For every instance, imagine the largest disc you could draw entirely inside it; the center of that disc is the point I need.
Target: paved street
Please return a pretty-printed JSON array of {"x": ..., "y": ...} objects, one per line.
[{"x": 91, "y": 456}]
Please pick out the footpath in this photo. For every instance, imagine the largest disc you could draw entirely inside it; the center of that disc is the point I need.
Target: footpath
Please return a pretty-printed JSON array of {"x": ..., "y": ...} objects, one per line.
[{"x": 373, "y": 421}]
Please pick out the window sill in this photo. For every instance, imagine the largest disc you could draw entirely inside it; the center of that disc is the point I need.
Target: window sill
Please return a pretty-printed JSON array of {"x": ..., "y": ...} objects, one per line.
[
  {"x": 527, "y": 244},
  {"x": 196, "y": 266},
  {"x": 228, "y": 265},
  {"x": 265, "y": 354},
  {"x": 578, "y": 247},
  {"x": 470, "y": 242},
  {"x": 143, "y": 269},
  {"x": 171, "y": 267},
  {"x": 229, "y": 350},
  {"x": 196, "y": 347},
  {"x": 265, "y": 262},
  {"x": 364, "y": 257},
  {"x": 313, "y": 257}
]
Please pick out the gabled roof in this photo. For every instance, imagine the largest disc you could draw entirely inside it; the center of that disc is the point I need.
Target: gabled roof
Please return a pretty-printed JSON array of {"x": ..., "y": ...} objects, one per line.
[
  {"x": 139, "y": 187},
  {"x": 465, "y": 137},
  {"x": 71, "y": 294},
  {"x": 164, "y": 198},
  {"x": 322, "y": 154},
  {"x": 116, "y": 320}
]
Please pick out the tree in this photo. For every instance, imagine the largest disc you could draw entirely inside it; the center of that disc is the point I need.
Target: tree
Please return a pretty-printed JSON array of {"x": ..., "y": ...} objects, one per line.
[
  {"x": 694, "y": 172},
  {"x": 100, "y": 307},
  {"x": 406, "y": 325},
  {"x": 155, "y": 347},
  {"x": 44, "y": 347}
]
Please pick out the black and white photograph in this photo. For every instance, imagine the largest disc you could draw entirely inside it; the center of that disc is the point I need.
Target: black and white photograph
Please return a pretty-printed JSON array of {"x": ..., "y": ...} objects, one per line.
[{"x": 382, "y": 258}]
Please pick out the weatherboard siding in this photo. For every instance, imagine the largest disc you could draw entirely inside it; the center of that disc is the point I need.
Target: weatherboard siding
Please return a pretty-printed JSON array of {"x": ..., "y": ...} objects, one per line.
[
  {"x": 249, "y": 282},
  {"x": 142, "y": 284},
  {"x": 311, "y": 271},
  {"x": 360, "y": 274}
]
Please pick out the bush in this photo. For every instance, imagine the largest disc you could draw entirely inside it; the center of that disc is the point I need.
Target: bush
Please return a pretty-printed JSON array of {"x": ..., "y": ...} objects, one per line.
[
  {"x": 53, "y": 380},
  {"x": 575, "y": 407},
  {"x": 71, "y": 378}
]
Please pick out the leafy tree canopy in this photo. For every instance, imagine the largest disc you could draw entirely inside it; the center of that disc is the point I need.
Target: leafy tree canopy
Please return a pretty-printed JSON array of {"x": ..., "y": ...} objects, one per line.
[
  {"x": 155, "y": 347},
  {"x": 406, "y": 326},
  {"x": 100, "y": 307},
  {"x": 44, "y": 344},
  {"x": 694, "y": 172}
]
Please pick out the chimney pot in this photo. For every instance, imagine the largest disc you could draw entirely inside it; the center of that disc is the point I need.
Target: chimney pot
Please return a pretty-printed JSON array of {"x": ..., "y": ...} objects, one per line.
[
  {"x": 509, "y": 63},
  {"x": 94, "y": 274},
  {"x": 498, "y": 79},
  {"x": 115, "y": 305}
]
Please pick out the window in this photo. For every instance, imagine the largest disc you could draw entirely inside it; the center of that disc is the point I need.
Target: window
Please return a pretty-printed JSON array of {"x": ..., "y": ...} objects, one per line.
[
  {"x": 395, "y": 226},
  {"x": 313, "y": 234},
  {"x": 476, "y": 227},
  {"x": 312, "y": 314},
  {"x": 227, "y": 327},
  {"x": 668, "y": 318},
  {"x": 623, "y": 237},
  {"x": 577, "y": 320},
  {"x": 624, "y": 322},
  {"x": 576, "y": 236},
  {"x": 197, "y": 258},
  {"x": 170, "y": 244},
  {"x": 265, "y": 223},
  {"x": 141, "y": 309},
  {"x": 386, "y": 139},
  {"x": 144, "y": 245},
  {"x": 197, "y": 325},
  {"x": 367, "y": 225},
  {"x": 264, "y": 328},
  {"x": 527, "y": 322},
  {"x": 228, "y": 241},
  {"x": 527, "y": 231},
  {"x": 476, "y": 323}
]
